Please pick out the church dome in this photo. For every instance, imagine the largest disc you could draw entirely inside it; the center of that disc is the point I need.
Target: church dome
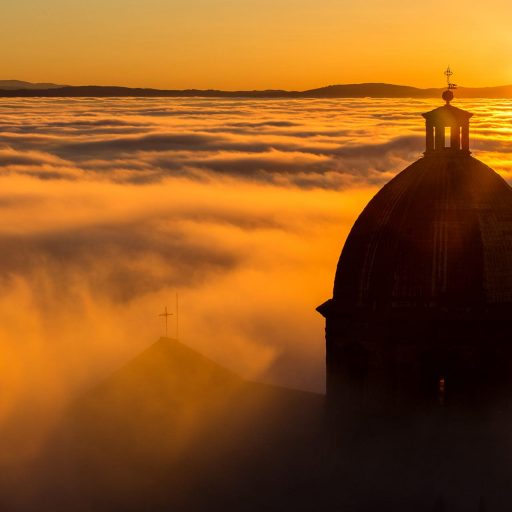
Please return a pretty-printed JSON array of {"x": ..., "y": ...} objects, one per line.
[
  {"x": 423, "y": 288},
  {"x": 438, "y": 235}
]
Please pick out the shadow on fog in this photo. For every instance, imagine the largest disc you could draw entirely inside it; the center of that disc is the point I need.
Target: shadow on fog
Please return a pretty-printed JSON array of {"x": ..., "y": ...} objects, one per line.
[{"x": 174, "y": 431}]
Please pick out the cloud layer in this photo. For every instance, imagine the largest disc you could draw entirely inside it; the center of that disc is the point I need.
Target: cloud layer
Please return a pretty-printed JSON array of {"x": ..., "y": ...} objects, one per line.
[
  {"x": 307, "y": 143},
  {"x": 111, "y": 206}
]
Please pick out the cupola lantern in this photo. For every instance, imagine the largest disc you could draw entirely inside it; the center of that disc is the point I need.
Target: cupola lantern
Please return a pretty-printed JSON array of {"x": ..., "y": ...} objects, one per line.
[{"x": 447, "y": 127}]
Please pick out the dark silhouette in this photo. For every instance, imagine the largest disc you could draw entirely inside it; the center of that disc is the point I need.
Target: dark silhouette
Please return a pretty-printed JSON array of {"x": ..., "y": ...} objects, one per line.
[
  {"x": 423, "y": 291},
  {"x": 173, "y": 430},
  {"x": 365, "y": 90},
  {"x": 16, "y": 85}
]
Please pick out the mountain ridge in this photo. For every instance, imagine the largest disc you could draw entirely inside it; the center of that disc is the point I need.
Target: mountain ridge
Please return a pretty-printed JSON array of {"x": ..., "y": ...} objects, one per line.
[
  {"x": 14, "y": 88},
  {"x": 21, "y": 84}
]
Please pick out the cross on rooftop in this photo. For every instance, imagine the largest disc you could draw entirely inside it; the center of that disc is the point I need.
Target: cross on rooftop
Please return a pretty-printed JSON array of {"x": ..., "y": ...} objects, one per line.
[{"x": 166, "y": 314}]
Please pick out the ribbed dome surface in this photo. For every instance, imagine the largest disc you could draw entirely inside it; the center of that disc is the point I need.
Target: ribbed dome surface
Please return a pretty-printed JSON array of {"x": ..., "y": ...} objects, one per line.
[{"x": 438, "y": 235}]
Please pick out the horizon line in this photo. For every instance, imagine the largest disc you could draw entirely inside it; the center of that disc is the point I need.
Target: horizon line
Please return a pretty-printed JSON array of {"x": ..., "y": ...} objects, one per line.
[{"x": 245, "y": 89}]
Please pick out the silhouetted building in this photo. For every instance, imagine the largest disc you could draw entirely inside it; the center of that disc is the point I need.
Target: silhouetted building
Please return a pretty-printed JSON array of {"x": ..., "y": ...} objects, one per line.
[{"x": 421, "y": 309}]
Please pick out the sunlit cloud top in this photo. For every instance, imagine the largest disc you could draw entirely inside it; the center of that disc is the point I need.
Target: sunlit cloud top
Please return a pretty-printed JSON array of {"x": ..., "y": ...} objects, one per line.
[
  {"x": 306, "y": 143},
  {"x": 110, "y": 206}
]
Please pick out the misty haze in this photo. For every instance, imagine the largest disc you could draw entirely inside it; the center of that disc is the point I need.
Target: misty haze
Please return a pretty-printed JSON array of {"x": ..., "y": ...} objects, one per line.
[{"x": 112, "y": 206}]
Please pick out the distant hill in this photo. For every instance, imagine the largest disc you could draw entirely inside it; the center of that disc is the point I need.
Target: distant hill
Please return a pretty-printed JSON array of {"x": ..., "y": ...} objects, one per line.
[
  {"x": 16, "y": 85},
  {"x": 380, "y": 90},
  {"x": 13, "y": 88},
  {"x": 371, "y": 90}
]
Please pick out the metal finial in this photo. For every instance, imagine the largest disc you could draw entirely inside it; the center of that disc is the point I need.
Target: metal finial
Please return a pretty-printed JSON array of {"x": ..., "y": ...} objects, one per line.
[
  {"x": 448, "y": 94},
  {"x": 448, "y": 73}
]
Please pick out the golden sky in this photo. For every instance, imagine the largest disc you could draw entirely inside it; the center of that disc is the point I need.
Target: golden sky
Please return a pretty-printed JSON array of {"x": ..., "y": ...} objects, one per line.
[{"x": 247, "y": 44}]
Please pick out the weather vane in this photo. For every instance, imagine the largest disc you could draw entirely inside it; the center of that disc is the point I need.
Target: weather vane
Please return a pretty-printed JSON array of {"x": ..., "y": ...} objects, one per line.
[
  {"x": 448, "y": 94},
  {"x": 448, "y": 73}
]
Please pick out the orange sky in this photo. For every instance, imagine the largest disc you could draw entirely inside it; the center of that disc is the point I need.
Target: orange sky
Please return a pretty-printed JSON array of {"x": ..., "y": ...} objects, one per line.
[{"x": 248, "y": 44}]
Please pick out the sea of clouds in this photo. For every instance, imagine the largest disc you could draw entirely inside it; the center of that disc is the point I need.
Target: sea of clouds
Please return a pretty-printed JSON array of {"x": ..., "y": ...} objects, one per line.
[{"x": 110, "y": 207}]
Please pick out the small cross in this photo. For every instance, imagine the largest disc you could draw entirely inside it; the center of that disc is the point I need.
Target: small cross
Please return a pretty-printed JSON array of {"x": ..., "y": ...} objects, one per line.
[{"x": 167, "y": 315}]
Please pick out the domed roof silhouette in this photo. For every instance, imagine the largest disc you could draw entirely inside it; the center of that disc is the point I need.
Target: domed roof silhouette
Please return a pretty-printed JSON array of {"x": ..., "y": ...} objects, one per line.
[
  {"x": 423, "y": 288},
  {"x": 438, "y": 234}
]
